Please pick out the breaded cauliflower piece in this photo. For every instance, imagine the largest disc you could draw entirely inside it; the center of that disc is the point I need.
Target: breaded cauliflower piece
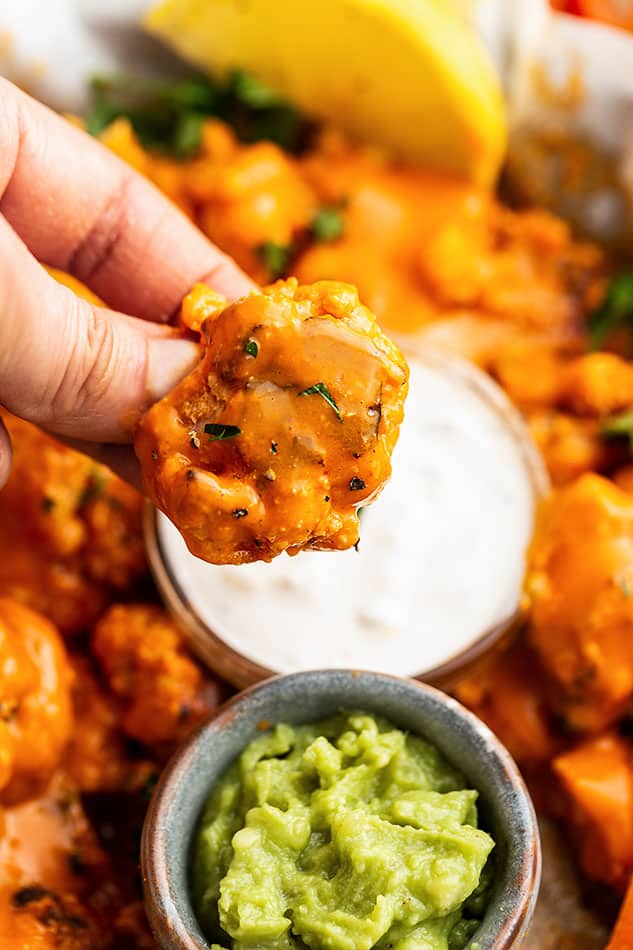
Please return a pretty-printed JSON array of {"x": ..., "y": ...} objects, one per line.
[
  {"x": 284, "y": 429},
  {"x": 35, "y": 703},
  {"x": 580, "y": 582},
  {"x": 163, "y": 692},
  {"x": 73, "y": 529}
]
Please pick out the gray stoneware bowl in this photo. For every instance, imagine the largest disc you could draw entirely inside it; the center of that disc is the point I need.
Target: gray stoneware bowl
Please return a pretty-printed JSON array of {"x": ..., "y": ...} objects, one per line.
[{"x": 505, "y": 806}]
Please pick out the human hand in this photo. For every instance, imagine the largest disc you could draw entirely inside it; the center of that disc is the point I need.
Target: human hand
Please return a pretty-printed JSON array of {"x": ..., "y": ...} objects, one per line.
[{"x": 84, "y": 372}]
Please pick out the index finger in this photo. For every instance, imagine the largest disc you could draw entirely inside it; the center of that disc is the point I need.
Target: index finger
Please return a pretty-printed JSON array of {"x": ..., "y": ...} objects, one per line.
[{"x": 80, "y": 208}]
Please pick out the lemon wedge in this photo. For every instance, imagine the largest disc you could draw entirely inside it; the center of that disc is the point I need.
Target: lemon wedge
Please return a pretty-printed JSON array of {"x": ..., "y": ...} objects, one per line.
[{"x": 410, "y": 75}]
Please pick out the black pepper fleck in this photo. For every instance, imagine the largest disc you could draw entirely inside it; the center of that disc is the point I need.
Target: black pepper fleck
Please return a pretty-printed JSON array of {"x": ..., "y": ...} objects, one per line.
[
  {"x": 273, "y": 448},
  {"x": 29, "y": 895},
  {"x": 356, "y": 455},
  {"x": 76, "y": 863},
  {"x": 240, "y": 512},
  {"x": 154, "y": 454},
  {"x": 356, "y": 484},
  {"x": 8, "y": 709},
  {"x": 625, "y": 727},
  {"x": 327, "y": 498},
  {"x": 190, "y": 475},
  {"x": 47, "y": 504}
]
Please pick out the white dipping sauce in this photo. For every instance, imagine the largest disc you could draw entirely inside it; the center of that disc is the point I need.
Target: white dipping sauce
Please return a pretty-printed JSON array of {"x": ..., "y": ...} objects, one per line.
[{"x": 441, "y": 556}]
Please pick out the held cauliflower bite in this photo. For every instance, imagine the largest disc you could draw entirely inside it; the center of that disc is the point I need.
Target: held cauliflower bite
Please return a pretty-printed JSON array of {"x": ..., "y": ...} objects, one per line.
[
  {"x": 35, "y": 703},
  {"x": 283, "y": 431}
]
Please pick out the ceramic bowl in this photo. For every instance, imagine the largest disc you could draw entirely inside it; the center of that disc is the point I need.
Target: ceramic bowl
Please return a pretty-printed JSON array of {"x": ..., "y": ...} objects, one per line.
[{"x": 505, "y": 806}]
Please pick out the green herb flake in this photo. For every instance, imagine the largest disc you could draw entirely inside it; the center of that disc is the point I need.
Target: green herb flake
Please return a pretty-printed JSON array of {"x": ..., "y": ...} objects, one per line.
[
  {"x": 328, "y": 224},
  {"x": 625, "y": 587},
  {"x": 252, "y": 91},
  {"x": 615, "y": 311},
  {"x": 94, "y": 489},
  {"x": 275, "y": 258},
  {"x": 168, "y": 115},
  {"x": 219, "y": 432},
  {"x": 187, "y": 134},
  {"x": 251, "y": 348},
  {"x": 619, "y": 426},
  {"x": 320, "y": 389}
]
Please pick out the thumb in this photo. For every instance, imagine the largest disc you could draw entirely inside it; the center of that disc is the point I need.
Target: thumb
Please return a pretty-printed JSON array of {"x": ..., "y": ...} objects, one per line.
[{"x": 78, "y": 370}]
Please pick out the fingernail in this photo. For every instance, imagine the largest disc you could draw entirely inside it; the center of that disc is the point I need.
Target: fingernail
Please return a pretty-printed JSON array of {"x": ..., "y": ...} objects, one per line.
[{"x": 169, "y": 361}]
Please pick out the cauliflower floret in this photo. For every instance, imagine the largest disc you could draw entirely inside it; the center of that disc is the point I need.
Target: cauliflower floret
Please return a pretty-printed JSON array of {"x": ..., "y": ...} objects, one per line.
[
  {"x": 163, "y": 691},
  {"x": 580, "y": 581},
  {"x": 284, "y": 429},
  {"x": 73, "y": 529},
  {"x": 35, "y": 703}
]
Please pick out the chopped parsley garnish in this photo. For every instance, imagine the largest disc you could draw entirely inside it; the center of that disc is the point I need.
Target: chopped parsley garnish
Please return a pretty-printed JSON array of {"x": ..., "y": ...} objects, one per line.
[
  {"x": 320, "y": 389},
  {"x": 615, "y": 311},
  {"x": 251, "y": 92},
  {"x": 94, "y": 489},
  {"x": 251, "y": 348},
  {"x": 356, "y": 484},
  {"x": 164, "y": 115},
  {"x": 275, "y": 258},
  {"x": 169, "y": 115},
  {"x": 219, "y": 432},
  {"x": 619, "y": 426},
  {"x": 328, "y": 224},
  {"x": 187, "y": 134}
]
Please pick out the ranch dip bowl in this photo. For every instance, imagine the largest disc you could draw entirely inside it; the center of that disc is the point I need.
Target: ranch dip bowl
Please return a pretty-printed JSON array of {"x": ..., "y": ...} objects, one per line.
[{"x": 437, "y": 579}]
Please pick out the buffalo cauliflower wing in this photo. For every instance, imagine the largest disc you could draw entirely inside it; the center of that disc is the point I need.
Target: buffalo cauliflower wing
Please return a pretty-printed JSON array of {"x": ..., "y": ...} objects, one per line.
[{"x": 283, "y": 431}]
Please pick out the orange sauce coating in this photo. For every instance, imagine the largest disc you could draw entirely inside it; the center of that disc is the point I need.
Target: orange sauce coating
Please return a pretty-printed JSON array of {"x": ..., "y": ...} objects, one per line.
[{"x": 284, "y": 429}]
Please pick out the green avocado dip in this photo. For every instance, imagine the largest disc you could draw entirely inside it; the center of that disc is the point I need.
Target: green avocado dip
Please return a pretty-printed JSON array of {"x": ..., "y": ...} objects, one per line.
[{"x": 343, "y": 835}]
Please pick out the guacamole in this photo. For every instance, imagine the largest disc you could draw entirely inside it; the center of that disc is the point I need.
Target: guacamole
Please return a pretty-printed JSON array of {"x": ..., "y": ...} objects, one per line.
[{"x": 343, "y": 835}]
